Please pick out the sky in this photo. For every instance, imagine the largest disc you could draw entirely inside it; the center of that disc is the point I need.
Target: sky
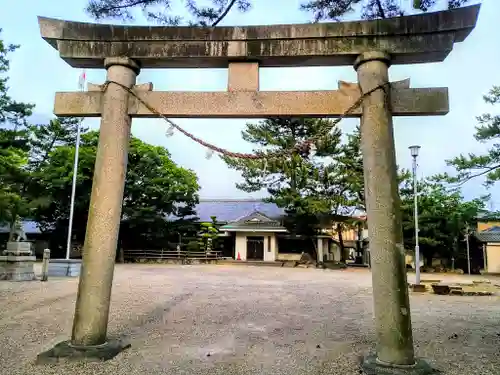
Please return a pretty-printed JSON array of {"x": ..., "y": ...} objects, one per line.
[{"x": 469, "y": 72}]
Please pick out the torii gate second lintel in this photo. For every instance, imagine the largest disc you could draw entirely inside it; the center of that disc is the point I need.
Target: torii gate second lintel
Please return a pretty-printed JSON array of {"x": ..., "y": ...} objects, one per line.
[
  {"x": 370, "y": 46},
  {"x": 244, "y": 100}
]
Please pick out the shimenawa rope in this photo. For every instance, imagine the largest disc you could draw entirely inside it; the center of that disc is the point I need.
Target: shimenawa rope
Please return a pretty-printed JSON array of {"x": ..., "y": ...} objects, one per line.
[{"x": 303, "y": 146}]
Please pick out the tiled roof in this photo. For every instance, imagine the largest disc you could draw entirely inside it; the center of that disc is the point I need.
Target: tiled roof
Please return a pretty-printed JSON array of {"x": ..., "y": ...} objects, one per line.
[
  {"x": 255, "y": 221},
  {"x": 227, "y": 210},
  {"x": 489, "y": 235}
]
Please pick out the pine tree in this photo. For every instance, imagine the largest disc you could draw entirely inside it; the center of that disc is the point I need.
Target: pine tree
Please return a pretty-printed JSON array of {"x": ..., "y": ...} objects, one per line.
[
  {"x": 160, "y": 11},
  {"x": 485, "y": 165},
  {"x": 350, "y": 170},
  {"x": 292, "y": 179},
  {"x": 303, "y": 182}
]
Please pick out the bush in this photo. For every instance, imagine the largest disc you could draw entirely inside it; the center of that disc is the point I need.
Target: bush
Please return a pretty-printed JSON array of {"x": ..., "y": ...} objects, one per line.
[{"x": 193, "y": 246}]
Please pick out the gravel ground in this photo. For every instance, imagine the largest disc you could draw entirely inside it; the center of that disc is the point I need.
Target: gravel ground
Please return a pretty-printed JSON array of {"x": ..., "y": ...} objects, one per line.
[{"x": 242, "y": 320}]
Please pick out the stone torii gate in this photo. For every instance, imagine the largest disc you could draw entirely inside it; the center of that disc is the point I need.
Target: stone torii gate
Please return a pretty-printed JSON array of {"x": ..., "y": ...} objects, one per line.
[{"x": 370, "y": 46}]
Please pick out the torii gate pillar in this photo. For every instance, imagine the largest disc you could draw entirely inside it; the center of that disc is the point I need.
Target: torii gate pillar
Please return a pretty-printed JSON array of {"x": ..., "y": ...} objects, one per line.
[
  {"x": 391, "y": 305},
  {"x": 96, "y": 277},
  {"x": 90, "y": 323}
]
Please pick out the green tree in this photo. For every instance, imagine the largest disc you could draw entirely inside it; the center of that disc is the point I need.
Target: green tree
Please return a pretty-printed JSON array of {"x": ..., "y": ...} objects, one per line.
[
  {"x": 302, "y": 182},
  {"x": 44, "y": 138},
  {"x": 294, "y": 180},
  {"x": 443, "y": 217},
  {"x": 155, "y": 189},
  {"x": 370, "y": 9},
  {"x": 349, "y": 166},
  {"x": 443, "y": 212},
  {"x": 14, "y": 147},
  {"x": 485, "y": 165},
  {"x": 38, "y": 141},
  {"x": 208, "y": 235},
  {"x": 162, "y": 11}
]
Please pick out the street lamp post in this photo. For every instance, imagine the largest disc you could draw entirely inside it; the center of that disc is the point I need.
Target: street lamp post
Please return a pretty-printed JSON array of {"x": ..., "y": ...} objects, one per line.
[
  {"x": 468, "y": 248},
  {"x": 414, "y": 154}
]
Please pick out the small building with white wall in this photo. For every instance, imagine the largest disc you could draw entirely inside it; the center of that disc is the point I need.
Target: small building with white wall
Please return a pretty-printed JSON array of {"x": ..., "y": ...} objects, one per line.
[
  {"x": 252, "y": 230},
  {"x": 255, "y": 237}
]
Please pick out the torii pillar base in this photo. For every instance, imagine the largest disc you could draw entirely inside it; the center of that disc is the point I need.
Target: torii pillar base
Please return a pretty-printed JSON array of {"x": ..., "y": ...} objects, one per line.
[
  {"x": 372, "y": 366},
  {"x": 65, "y": 352}
]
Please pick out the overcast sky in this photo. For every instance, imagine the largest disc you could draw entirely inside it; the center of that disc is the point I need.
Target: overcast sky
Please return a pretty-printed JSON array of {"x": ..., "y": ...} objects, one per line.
[{"x": 469, "y": 71}]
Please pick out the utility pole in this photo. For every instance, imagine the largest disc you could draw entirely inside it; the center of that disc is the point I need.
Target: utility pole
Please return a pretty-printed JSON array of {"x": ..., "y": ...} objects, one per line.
[{"x": 414, "y": 153}]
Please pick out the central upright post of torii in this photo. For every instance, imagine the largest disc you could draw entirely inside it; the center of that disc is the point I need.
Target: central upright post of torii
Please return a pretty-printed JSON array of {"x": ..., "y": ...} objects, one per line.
[{"x": 370, "y": 46}]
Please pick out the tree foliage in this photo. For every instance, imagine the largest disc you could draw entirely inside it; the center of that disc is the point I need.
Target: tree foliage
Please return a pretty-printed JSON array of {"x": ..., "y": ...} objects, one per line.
[
  {"x": 161, "y": 11},
  {"x": 165, "y": 11},
  {"x": 36, "y": 171},
  {"x": 369, "y": 9},
  {"x": 155, "y": 189},
  {"x": 349, "y": 166},
  {"x": 443, "y": 213},
  {"x": 443, "y": 217},
  {"x": 298, "y": 182},
  {"x": 208, "y": 235},
  {"x": 14, "y": 147},
  {"x": 313, "y": 186},
  {"x": 487, "y": 164}
]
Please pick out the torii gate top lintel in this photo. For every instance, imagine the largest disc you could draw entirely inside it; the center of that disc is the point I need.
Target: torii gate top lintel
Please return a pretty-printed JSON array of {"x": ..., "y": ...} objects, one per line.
[{"x": 411, "y": 39}]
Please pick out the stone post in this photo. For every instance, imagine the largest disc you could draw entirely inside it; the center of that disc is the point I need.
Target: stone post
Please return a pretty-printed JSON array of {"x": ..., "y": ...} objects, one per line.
[
  {"x": 390, "y": 290},
  {"x": 94, "y": 290},
  {"x": 319, "y": 254},
  {"x": 45, "y": 265}
]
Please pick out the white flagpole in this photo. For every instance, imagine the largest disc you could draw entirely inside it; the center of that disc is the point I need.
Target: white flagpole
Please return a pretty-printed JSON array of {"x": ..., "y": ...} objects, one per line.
[{"x": 81, "y": 86}]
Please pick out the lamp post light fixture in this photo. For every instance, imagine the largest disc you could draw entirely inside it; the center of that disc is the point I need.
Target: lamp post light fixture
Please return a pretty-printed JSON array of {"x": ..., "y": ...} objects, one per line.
[{"x": 414, "y": 154}]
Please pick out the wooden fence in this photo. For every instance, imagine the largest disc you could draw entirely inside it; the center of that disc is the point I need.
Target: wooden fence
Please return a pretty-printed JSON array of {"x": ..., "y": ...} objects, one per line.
[{"x": 177, "y": 256}]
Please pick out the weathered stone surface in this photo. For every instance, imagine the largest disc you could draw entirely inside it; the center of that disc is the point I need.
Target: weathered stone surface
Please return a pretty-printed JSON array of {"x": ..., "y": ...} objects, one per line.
[
  {"x": 441, "y": 289},
  {"x": 18, "y": 248},
  {"x": 64, "y": 351},
  {"x": 478, "y": 293},
  {"x": 391, "y": 301},
  {"x": 243, "y": 76},
  {"x": 479, "y": 282},
  {"x": 419, "y": 288},
  {"x": 94, "y": 289},
  {"x": 350, "y": 87},
  {"x": 254, "y": 104},
  {"x": 371, "y": 366},
  {"x": 140, "y": 87},
  {"x": 412, "y": 39},
  {"x": 45, "y": 265},
  {"x": 333, "y": 265},
  {"x": 17, "y": 268}
]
